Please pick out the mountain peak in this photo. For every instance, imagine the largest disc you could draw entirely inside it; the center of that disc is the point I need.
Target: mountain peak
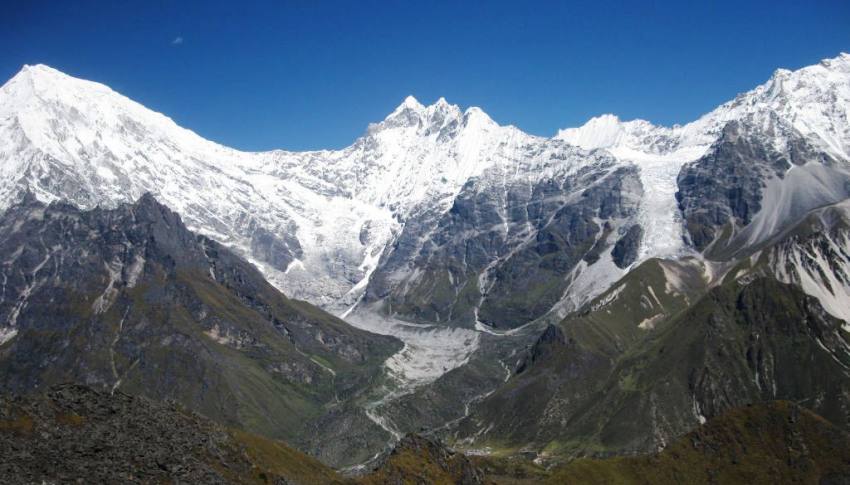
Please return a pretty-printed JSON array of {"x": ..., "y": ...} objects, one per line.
[
  {"x": 410, "y": 103},
  {"x": 35, "y": 84},
  {"x": 839, "y": 63},
  {"x": 442, "y": 110},
  {"x": 601, "y": 131},
  {"x": 43, "y": 79},
  {"x": 413, "y": 104},
  {"x": 476, "y": 116},
  {"x": 413, "y": 113},
  {"x": 41, "y": 69}
]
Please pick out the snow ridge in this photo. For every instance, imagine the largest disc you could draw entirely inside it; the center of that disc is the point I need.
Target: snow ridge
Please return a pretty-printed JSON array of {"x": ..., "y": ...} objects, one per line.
[
  {"x": 316, "y": 223},
  {"x": 812, "y": 102}
]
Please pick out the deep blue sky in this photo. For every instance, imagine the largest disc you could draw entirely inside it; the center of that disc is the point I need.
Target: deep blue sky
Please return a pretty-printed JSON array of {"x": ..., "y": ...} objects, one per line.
[{"x": 311, "y": 74}]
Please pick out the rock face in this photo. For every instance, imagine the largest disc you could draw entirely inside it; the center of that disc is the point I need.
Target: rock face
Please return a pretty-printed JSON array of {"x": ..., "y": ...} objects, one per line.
[
  {"x": 538, "y": 240},
  {"x": 626, "y": 249},
  {"x": 745, "y": 189},
  {"x": 815, "y": 256},
  {"x": 74, "y": 433},
  {"x": 129, "y": 299}
]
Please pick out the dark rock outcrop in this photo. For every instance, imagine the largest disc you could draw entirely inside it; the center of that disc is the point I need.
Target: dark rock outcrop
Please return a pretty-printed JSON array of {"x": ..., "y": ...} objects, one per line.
[
  {"x": 551, "y": 340},
  {"x": 74, "y": 434},
  {"x": 626, "y": 249}
]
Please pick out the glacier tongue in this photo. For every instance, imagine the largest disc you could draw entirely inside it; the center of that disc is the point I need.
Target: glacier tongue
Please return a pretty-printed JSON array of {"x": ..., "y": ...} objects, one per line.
[
  {"x": 429, "y": 350},
  {"x": 659, "y": 154},
  {"x": 659, "y": 215}
]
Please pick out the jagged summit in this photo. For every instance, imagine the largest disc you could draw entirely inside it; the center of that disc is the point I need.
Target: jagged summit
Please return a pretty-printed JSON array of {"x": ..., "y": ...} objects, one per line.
[
  {"x": 410, "y": 102},
  {"x": 410, "y": 105},
  {"x": 812, "y": 100},
  {"x": 49, "y": 84},
  {"x": 841, "y": 61},
  {"x": 412, "y": 113}
]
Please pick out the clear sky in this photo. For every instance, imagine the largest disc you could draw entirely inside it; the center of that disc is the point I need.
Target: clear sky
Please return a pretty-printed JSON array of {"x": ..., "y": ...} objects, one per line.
[{"x": 312, "y": 74}]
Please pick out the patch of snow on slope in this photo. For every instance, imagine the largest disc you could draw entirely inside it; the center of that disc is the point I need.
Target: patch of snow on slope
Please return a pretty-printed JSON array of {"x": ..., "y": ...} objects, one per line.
[
  {"x": 821, "y": 267},
  {"x": 588, "y": 282},
  {"x": 674, "y": 277},
  {"x": 803, "y": 188},
  {"x": 7, "y": 333},
  {"x": 609, "y": 298}
]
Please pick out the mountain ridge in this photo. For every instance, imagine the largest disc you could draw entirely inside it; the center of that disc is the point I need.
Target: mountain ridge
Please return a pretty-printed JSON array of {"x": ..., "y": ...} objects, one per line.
[
  {"x": 373, "y": 186},
  {"x": 129, "y": 299}
]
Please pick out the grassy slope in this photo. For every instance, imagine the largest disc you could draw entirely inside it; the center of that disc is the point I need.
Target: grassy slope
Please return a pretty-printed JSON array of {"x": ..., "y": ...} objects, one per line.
[
  {"x": 777, "y": 442},
  {"x": 771, "y": 442},
  {"x": 418, "y": 460},
  {"x": 594, "y": 341},
  {"x": 610, "y": 388},
  {"x": 276, "y": 459}
]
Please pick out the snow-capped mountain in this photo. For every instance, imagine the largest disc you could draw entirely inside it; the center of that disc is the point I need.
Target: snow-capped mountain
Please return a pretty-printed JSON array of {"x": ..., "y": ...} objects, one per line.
[
  {"x": 439, "y": 214},
  {"x": 812, "y": 104},
  {"x": 316, "y": 223},
  {"x": 812, "y": 100}
]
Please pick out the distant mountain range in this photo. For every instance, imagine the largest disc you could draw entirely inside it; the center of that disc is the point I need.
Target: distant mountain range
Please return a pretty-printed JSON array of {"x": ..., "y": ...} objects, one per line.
[{"x": 603, "y": 291}]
